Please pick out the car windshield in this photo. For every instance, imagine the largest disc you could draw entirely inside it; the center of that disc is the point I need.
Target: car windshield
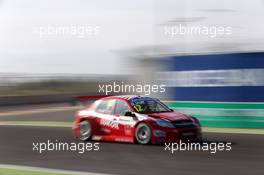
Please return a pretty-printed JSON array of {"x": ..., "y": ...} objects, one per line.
[{"x": 146, "y": 105}]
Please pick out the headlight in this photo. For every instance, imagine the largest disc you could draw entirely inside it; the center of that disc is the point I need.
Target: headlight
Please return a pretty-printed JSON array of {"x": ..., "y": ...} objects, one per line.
[{"x": 164, "y": 123}]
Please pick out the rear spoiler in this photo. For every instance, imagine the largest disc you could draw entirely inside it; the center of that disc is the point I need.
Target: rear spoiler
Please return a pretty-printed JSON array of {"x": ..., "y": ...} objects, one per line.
[
  {"x": 91, "y": 97},
  {"x": 86, "y": 100}
]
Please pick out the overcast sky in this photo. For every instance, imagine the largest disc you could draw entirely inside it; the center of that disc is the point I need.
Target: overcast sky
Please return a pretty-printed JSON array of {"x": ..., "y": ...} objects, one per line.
[{"x": 122, "y": 25}]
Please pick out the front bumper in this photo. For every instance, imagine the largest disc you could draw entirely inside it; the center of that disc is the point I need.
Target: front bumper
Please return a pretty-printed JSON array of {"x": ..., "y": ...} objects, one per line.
[{"x": 169, "y": 135}]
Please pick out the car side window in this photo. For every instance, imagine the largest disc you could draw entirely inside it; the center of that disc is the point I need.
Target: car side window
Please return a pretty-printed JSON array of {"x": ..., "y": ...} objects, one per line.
[
  {"x": 106, "y": 106},
  {"x": 121, "y": 108}
]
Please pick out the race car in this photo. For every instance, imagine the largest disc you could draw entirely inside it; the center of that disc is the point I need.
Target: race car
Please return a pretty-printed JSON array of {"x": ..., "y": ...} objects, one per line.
[{"x": 134, "y": 119}]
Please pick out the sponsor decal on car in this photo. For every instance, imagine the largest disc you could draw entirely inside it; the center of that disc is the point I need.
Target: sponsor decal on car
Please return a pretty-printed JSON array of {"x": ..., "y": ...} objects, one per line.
[{"x": 109, "y": 123}]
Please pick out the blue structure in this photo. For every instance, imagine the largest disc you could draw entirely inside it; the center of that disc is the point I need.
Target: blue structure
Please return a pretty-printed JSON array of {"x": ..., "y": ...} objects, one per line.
[{"x": 232, "y": 77}]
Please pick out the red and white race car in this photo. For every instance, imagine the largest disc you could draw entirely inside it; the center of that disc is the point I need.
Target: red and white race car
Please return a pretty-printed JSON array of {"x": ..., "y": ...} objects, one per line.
[{"x": 134, "y": 119}]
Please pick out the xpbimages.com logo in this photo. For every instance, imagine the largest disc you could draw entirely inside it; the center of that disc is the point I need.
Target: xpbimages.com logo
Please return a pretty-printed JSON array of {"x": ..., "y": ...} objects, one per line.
[
  {"x": 210, "y": 31},
  {"x": 73, "y": 30},
  {"x": 145, "y": 89},
  {"x": 81, "y": 148},
  {"x": 212, "y": 147}
]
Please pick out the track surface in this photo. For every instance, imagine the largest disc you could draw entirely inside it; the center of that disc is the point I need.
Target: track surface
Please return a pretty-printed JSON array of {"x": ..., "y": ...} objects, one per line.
[
  {"x": 67, "y": 115},
  {"x": 246, "y": 156}
]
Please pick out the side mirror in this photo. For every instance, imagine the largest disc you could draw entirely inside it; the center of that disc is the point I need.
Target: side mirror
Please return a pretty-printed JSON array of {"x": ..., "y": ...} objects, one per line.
[
  {"x": 171, "y": 110},
  {"x": 130, "y": 114}
]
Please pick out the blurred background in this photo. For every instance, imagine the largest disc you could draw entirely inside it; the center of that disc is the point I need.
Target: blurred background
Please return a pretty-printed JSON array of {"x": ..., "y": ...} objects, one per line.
[
  {"x": 54, "y": 54},
  {"x": 208, "y": 54}
]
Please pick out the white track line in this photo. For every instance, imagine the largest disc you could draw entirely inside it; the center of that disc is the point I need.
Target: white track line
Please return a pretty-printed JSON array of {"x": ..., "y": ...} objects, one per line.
[{"x": 48, "y": 170}]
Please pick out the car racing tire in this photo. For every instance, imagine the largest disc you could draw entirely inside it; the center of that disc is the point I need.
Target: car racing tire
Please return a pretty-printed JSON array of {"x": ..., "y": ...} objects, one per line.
[
  {"x": 85, "y": 131},
  {"x": 143, "y": 134}
]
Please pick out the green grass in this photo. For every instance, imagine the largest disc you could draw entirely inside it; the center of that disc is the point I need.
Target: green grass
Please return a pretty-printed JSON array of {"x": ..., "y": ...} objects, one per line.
[
  {"x": 8, "y": 171},
  {"x": 233, "y": 130},
  {"x": 223, "y": 114}
]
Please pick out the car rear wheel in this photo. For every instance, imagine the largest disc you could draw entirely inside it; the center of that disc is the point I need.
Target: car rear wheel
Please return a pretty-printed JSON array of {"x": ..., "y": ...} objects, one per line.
[
  {"x": 85, "y": 130},
  {"x": 143, "y": 133}
]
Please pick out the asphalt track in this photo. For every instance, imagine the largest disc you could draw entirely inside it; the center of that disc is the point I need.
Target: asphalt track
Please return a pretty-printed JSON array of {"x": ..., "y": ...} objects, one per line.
[
  {"x": 246, "y": 156},
  {"x": 65, "y": 115}
]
